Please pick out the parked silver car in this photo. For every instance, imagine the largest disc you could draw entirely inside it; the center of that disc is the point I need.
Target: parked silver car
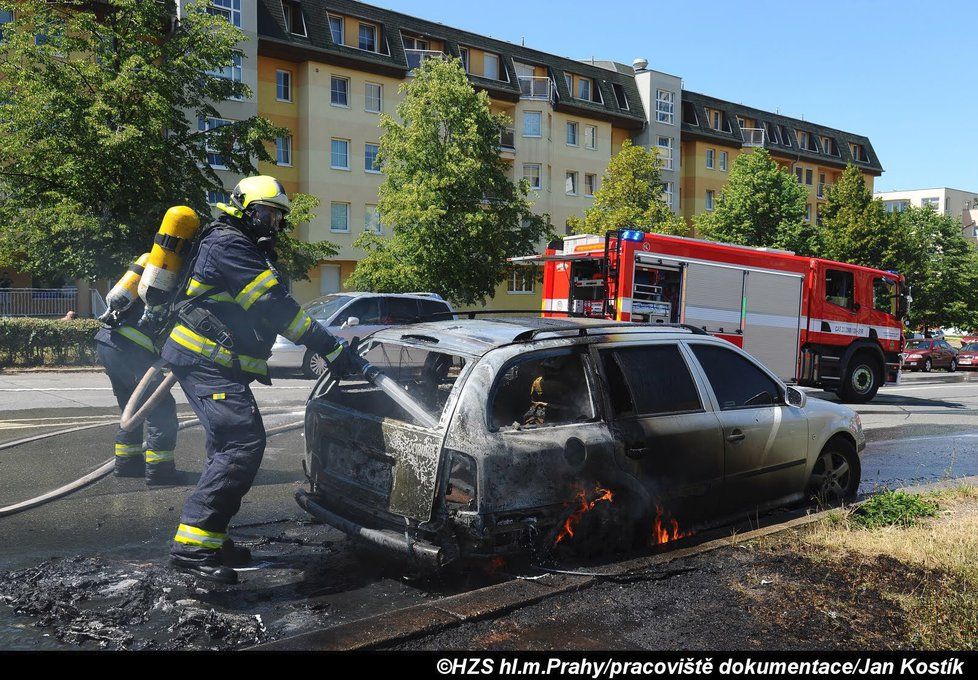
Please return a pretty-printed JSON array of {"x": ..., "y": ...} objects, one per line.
[
  {"x": 538, "y": 418},
  {"x": 355, "y": 314}
]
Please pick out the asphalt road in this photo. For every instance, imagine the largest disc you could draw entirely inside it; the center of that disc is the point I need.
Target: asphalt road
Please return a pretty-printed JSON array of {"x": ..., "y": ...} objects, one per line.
[{"x": 309, "y": 576}]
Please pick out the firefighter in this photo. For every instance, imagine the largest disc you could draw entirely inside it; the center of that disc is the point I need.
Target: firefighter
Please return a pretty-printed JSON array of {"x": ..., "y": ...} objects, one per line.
[
  {"x": 226, "y": 322},
  {"x": 126, "y": 351}
]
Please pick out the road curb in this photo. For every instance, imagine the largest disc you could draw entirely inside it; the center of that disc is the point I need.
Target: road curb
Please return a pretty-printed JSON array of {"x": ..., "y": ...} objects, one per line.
[{"x": 384, "y": 630}]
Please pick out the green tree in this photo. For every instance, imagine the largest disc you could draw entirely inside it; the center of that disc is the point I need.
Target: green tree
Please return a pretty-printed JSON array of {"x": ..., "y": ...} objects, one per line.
[
  {"x": 96, "y": 138},
  {"x": 762, "y": 205},
  {"x": 296, "y": 256},
  {"x": 455, "y": 215},
  {"x": 630, "y": 197}
]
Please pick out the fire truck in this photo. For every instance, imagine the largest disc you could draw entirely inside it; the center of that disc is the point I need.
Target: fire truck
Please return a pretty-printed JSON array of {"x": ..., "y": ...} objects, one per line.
[{"x": 813, "y": 322}]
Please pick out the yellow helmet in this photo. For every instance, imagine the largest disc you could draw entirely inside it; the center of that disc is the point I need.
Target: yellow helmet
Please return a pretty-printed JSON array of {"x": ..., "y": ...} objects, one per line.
[{"x": 258, "y": 190}]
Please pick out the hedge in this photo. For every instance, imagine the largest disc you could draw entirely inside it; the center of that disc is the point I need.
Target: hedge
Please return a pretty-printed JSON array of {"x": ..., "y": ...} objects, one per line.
[{"x": 47, "y": 342}]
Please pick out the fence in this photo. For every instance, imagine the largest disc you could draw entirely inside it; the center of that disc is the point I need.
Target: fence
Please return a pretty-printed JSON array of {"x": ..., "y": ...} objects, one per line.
[{"x": 37, "y": 301}]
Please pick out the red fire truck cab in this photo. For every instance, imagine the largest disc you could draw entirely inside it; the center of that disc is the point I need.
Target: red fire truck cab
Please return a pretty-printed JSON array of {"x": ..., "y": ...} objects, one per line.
[{"x": 811, "y": 321}]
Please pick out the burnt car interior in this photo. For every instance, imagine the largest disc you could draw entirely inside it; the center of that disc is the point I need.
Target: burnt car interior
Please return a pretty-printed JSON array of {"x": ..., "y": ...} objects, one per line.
[{"x": 543, "y": 390}]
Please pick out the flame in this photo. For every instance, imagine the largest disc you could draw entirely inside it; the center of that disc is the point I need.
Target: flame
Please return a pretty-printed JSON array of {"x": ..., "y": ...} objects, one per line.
[
  {"x": 665, "y": 528},
  {"x": 583, "y": 506}
]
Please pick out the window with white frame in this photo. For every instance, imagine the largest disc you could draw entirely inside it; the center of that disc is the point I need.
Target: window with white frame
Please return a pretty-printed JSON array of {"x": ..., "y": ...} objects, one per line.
[
  {"x": 569, "y": 81},
  {"x": 373, "y": 98},
  {"x": 570, "y": 183},
  {"x": 490, "y": 66},
  {"x": 711, "y": 158},
  {"x": 572, "y": 134},
  {"x": 337, "y": 29},
  {"x": 371, "y": 220},
  {"x": 214, "y": 157},
  {"x": 665, "y": 107},
  {"x": 933, "y": 201},
  {"x": 665, "y": 152},
  {"x": 229, "y": 9},
  {"x": 370, "y": 152},
  {"x": 339, "y": 216},
  {"x": 532, "y": 174},
  {"x": 339, "y": 91},
  {"x": 294, "y": 21},
  {"x": 667, "y": 193},
  {"x": 590, "y": 137},
  {"x": 283, "y": 85},
  {"x": 590, "y": 184},
  {"x": 339, "y": 154},
  {"x": 584, "y": 89},
  {"x": 368, "y": 38},
  {"x": 522, "y": 279},
  {"x": 723, "y": 161},
  {"x": 532, "y": 123},
  {"x": 230, "y": 72},
  {"x": 464, "y": 55},
  {"x": 808, "y": 212},
  {"x": 710, "y": 196},
  {"x": 283, "y": 150}
]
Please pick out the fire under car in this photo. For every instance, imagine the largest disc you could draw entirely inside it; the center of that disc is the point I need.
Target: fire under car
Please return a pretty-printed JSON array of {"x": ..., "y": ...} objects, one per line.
[{"x": 538, "y": 419}]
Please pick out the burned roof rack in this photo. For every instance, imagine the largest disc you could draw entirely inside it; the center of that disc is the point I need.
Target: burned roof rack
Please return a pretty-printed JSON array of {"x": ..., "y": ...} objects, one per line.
[{"x": 584, "y": 331}]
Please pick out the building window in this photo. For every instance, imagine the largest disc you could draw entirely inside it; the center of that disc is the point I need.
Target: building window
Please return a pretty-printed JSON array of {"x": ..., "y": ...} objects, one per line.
[
  {"x": 531, "y": 173},
  {"x": 230, "y": 72},
  {"x": 710, "y": 194},
  {"x": 339, "y": 154},
  {"x": 590, "y": 137},
  {"x": 464, "y": 56},
  {"x": 329, "y": 279},
  {"x": 723, "y": 161},
  {"x": 710, "y": 158},
  {"x": 283, "y": 150},
  {"x": 584, "y": 89},
  {"x": 521, "y": 279},
  {"x": 368, "y": 38},
  {"x": 214, "y": 158},
  {"x": 294, "y": 21},
  {"x": 572, "y": 134},
  {"x": 373, "y": 98},
  {"x": 339, "y": 217},
  {"x": 859, "y": 153},
  {"x": 933, "y": 201},
  {"x": 799, "y": 173},
  {"x": 620, "y": 96},
  {"x": 716, "y": 119},
  {"x": 370, "y": 152},
  {"x": 337, "y": 28},
  {"x": 532, "y": 123},
  {"x": 339, "y": 91},
  {"x": 590, "y": 185},
  {"x": 215, "y": 197},
  {"x": 570, "y": 184},
  {"x": 664, "y": 145},
  {"x": 283, "y": 86},
  {"x": 665, "y": 107},
  {"x": 569, "y": 81},
  {"x": 229, "y": 9},
  {"x": 667, "y": 192},
  {"x": 808, "y": 176},
  {"x": 371, "y": 220},
  {"x": 808, "y": 212},
  {"x": 490, "y": 66}
]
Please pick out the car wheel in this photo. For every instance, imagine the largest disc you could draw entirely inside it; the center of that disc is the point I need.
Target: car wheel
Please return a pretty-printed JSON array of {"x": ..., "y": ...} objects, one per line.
[
  {"x": 836, "y": 474},
  {"x": 928, "y": 365},
  {"x": 953, "y": 366},
  {"x": 862, "y": 379},
  {"x": 313, "y": 365}
]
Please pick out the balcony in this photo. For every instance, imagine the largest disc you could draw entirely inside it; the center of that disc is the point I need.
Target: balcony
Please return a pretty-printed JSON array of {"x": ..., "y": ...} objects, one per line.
[
  {"x": 535, "y": 87},
  {"x": 416, "y": 57},
  {"x": 753, "y": 136}
]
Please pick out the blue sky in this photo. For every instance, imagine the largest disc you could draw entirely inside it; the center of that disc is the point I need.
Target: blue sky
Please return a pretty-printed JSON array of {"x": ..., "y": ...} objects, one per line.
[{"x": 903, "y": 73}]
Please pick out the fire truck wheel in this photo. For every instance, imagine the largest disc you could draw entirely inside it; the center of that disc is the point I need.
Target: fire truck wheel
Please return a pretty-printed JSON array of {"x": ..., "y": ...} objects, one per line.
[
  {"x": 862, "y": 379},
  {"x": 835, "y": 476}
]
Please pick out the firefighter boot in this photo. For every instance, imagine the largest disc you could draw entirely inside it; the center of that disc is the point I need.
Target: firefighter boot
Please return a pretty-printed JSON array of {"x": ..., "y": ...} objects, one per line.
[
  {"x": 160, "y": 468},
  {"x": 234, "y": 555},
  {"x": 209, "y": 568},
  {"x": 129, "y": 460}
]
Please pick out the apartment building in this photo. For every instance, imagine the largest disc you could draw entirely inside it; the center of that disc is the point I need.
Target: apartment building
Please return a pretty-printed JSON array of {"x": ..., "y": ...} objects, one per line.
[
  {"x": 944, "y": 200},
  {"x": 327, "y": 69}
]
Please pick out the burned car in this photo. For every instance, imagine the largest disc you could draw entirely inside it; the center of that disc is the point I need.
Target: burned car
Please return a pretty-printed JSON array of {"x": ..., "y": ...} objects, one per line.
[{"x": 536, "y": 420}]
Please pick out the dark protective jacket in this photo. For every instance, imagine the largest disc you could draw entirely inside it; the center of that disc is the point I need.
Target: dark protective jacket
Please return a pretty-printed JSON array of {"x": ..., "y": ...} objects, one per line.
[
  {"x": 232, "y": 278},
  {"x": 129, "y": 331}
]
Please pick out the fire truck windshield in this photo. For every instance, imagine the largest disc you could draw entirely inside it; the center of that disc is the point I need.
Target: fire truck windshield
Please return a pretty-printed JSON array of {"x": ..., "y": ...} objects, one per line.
[{"x": 885, "y": 298}]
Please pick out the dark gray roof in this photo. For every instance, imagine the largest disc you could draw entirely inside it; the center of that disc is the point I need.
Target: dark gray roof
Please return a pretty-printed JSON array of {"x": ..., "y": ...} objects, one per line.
[
  {"x": 319, "y": 46},
  {"x": 732, "y": 134}
]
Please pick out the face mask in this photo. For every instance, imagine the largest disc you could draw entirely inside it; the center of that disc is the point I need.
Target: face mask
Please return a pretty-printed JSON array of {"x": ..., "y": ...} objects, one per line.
[{"x": 268, "y": 221}]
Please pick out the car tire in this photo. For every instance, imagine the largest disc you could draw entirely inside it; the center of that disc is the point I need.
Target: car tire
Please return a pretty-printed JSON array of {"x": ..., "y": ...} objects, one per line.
[
  {"x": 862, "y": 379},
  {"x": 836, "y": 474},
  {"x": 313, "y": 365},
  {"x": 953, "y": 366},
  {"x": 928, "y": 365}
]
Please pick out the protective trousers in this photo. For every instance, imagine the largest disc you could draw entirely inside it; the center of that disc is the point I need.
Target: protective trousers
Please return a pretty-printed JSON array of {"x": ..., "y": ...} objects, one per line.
[{"x": 235, "y": 445}]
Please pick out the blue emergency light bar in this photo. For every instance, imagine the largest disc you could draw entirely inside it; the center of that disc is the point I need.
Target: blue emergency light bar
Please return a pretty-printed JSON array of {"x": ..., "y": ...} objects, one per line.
[{"x": 632, "y": 235}]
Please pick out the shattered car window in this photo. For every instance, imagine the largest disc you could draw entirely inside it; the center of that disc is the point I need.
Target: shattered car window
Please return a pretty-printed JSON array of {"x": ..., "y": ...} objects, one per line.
[
  {"x": 540, "y": 391},
  {"x": 427, "y": 375}
]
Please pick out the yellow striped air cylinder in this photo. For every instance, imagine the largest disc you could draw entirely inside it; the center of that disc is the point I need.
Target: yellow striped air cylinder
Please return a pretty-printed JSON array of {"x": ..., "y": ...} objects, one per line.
[
  {"x": 170, "y": 245},
  {"x": 126, "y": 290}
]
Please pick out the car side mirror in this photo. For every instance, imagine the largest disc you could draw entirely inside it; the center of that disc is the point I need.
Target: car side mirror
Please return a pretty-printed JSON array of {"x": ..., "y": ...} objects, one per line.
[
  {"x": 795, "y": 397},
  {"x": 351, "y": 322}
]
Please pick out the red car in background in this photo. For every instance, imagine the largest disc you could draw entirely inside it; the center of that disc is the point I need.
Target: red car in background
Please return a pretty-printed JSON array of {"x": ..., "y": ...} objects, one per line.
[
  {"x": 968, "y": 355},
  {"x": 924, "y": 355}
]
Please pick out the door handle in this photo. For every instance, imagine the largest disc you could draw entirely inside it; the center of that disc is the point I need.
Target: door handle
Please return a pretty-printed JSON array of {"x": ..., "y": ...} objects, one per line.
[
  {"x": 636, "y": 452},
  {"x": 736, "y": 437}
]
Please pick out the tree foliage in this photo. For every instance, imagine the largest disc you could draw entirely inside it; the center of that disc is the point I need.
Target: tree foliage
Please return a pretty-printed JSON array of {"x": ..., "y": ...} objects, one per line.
[
  {"x": 630, "y": 197},
  {"x": 455, "y": 215},
  {"x": 296, "y": 257},
  {"x": 762, "y": 205},
  {"x": 97, "y": 138}
]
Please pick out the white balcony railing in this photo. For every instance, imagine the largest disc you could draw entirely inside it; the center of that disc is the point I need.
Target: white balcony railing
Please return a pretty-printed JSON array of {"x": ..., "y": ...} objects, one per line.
[
  {"x": 535, "y": 87},
  {"x": 753, "y": 136},
  {"x": 416, "y": 57}
]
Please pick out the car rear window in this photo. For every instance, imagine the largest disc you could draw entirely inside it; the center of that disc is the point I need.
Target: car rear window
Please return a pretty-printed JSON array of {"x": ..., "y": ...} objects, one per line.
[
  {"x": 542, "y": 390},
  {"x": 434, "y": 310},
  {"x": 649, "y": 381},
  {"x": 918, "y": 344},
  {"x": 427, "y": 376}
]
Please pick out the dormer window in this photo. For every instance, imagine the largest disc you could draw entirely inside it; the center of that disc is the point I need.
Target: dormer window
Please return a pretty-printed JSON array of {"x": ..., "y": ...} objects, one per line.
[
  {"x": 689, "y": 114},
  {"x": 785, "y": 136},
  {"x": 337, "y": 29},
  {"x": 858, "y": 152},
  {"x": 584, "y": 86},
  {"x": 294, "y": 21},
  {"x": 367, "y": 39},
  {"x": 829, "y": 146},
  {"x": 620, "y": 96}
]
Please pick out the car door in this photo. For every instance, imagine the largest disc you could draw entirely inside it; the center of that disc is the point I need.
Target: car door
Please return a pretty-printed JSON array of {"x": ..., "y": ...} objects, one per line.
[
  {"x": 367, "y": 311},
  {"x": 666, "y": 428},
  {"x": 765, "y": 440}
]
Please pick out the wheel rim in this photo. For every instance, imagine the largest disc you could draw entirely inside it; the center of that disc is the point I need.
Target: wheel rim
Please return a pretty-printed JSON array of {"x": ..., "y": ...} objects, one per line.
[
  {"x": 831, "y": 477},
  {"x": 927, "y": 365},
  {"x": 318, "y": 365},
  {"x": 862, "y": 379},
  {"x": 954, "y": 365}
]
